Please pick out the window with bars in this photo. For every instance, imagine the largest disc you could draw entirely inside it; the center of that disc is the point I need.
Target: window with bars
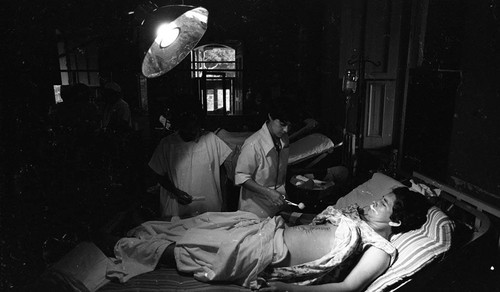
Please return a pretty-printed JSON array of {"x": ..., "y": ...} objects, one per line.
[
  {"x": 78, "y": 61},
  {"x": 217, "y": 70}
]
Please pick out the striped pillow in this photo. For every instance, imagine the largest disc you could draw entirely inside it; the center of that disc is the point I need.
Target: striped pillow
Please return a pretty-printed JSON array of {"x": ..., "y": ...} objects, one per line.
[{"x": 416, "y": 249}]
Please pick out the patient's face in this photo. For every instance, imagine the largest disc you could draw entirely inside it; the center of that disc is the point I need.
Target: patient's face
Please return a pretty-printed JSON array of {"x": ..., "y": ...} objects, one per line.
[{"x": 381, "y": 210}]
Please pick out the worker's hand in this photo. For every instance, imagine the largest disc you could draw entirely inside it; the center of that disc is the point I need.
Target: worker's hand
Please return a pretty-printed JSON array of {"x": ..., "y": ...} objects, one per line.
[
  {"x": 277, "y": 286},
  {"x": 182, "y": 197},
  {"x": 277, "y": 198}
]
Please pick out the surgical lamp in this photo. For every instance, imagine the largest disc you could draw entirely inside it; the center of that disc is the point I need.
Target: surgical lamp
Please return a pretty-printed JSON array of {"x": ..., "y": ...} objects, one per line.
[{"x": 177, "y": 29}]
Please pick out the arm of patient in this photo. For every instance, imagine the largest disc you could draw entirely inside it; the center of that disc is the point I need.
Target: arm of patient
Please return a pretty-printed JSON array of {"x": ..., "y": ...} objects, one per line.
[
  {"x": 371, "y": 265},
  {"x": 269, "y": 194}
]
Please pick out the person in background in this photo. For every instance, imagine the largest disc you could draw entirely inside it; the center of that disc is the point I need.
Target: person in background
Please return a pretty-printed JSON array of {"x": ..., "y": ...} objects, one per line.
[
  {"x": 76, "y": 111},
  {"x": 116, "y": 111},
  {"x": 262, "y": 163},
  {"x": 188, "y": 164},
  {"x": 74, "y": 125}
]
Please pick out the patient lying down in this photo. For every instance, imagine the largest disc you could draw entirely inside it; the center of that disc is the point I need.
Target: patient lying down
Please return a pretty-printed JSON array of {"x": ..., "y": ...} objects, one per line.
[{"x": 341, "y": 250}]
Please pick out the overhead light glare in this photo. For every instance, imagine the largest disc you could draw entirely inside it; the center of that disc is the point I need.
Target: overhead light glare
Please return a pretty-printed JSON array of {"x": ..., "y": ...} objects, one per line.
[{"x": 166, "y": 34}]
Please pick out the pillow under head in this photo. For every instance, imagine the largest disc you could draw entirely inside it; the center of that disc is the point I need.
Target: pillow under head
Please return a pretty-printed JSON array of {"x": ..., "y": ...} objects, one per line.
[{"x": 371, "y": 190}]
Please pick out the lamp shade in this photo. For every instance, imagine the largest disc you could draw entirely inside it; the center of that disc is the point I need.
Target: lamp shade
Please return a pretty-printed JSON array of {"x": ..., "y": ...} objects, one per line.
[{"x": 177, "y": 29}]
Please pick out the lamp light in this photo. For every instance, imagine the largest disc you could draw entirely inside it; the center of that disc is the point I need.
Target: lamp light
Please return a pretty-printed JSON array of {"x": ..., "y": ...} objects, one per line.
[{"x": 177, "y": 28}]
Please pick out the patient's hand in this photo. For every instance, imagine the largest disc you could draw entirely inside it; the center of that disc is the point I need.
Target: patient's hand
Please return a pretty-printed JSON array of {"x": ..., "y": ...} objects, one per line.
[{"x": 182, "y": 197}]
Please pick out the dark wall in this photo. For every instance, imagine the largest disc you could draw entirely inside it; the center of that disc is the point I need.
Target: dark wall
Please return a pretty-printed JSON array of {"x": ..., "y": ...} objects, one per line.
[
  {"x": 429, "y": 121},
  {"x": 453, "y": 111},
  {"x": 475, "y": 152}
]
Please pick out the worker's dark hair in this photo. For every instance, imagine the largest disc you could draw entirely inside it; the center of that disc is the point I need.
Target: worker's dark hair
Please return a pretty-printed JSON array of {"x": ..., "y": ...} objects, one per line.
[
  {"x": 410, "y": 208},
  {"x": 187, "y": 111},
  {"x": 284, "y": 110}
]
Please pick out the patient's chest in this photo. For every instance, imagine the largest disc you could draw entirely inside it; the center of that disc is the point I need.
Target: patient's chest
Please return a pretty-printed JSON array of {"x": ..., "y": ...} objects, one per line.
[{"x": 309, "y": 242}]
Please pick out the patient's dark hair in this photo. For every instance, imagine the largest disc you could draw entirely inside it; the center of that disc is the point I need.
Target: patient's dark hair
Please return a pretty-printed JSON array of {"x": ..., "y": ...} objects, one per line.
[{"x": 410, "y": 208}]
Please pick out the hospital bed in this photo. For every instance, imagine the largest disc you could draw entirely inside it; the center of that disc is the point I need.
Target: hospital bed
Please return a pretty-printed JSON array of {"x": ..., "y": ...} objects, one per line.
[{"x": 455, "y": 224}]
